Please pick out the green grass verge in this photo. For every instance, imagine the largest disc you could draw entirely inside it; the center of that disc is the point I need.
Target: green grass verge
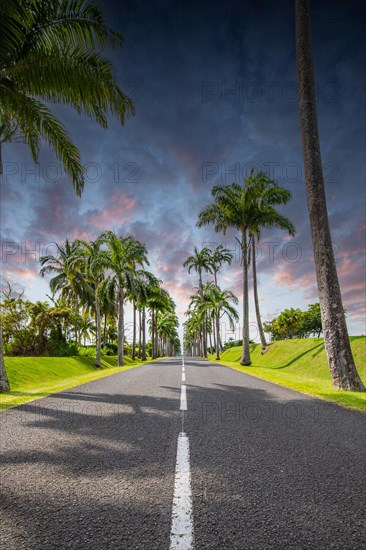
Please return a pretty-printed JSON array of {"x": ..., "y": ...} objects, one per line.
[
  {"x": 34, "y": 377},
  {"x": 301, "y": 365}
]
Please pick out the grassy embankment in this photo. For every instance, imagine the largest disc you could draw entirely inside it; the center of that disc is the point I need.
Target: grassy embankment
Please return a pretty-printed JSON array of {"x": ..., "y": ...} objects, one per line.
[
  {"x": 34, "y": 377},
  {"x": 301, "y": 364}
]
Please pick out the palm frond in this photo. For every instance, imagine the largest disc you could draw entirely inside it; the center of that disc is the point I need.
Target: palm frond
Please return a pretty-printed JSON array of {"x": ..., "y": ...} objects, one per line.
[{"x": 35, "y": 119}]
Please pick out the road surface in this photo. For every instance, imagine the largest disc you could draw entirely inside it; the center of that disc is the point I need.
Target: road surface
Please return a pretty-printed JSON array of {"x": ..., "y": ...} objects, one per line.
[{"x": 164, "y": 456}]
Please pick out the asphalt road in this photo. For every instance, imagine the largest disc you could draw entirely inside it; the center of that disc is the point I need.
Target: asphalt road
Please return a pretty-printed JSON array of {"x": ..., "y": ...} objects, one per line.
[{"x": 94, "y": 467}]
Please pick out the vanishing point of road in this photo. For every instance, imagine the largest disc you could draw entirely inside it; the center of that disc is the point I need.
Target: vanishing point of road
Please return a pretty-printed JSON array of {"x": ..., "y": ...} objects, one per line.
[{"x": 182, "y": 454}]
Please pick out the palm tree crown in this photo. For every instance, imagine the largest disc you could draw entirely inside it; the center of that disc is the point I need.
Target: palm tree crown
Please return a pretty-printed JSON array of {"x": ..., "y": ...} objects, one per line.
[{"x": 50, "y": 52}]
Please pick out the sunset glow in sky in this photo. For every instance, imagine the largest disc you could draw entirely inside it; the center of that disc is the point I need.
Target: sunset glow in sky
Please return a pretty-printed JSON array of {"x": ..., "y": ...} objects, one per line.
[{"x": 215, "y": 93}]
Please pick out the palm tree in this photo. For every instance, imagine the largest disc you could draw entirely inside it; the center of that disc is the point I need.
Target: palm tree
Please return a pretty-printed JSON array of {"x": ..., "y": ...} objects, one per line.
[
  {"x": 266, "y": 196},
  {"x": 144, "y": 292},
  {"x": 233, "y": 206},
  {"x": 167, "y": 325},
  {"x": 91, "y": 259},
  {"x": 158, "y": 301},
  {"x": 200, "y": 317},
  {"x": 218, "y": 257},
  {"x": 218, "y": 302},
  {"x": 200, "y": 261},
  {"x": 192, "y": 332},
  {"x": 87, "y": 325},
  {"x": 123, "y": 255},
  {"x": 50, "y": 52},
  {"x": 68, "y": 281},
  {"x": 336, "y": 339},
  {"x": 137, "y": 294}
]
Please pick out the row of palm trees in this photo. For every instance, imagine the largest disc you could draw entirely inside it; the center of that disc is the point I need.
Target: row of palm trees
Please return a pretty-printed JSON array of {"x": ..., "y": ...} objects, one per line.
[
  {"x": 101, "y": 276},
  {"x": 249, "y": 209},
  {"x": 204, "y": 316},
  {"x": 211, "y": 262}
]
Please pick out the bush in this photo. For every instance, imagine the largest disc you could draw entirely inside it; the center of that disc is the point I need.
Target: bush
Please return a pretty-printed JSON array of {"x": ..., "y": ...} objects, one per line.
[
  {"x": 86, "y": 351},
  {"x": 110, "y": 349},
  {"x": 61, "y": 349}
]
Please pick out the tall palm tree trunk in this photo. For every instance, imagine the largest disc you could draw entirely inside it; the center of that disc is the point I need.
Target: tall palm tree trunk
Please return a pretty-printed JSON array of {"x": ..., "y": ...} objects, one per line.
[
  {"x": 140, "y": 334},
  {"x": 256, "y": 300},
  {"x": 134, "y": 332},
  {"x": 217, "y": 319},
  {"x": 98, "y": 339},
  {"x": 336, "y": 339},
  {"x": 121, "y": 331},
  {"x": 220, "y": 342},
  {"x": 152, "y": 335},
  {"x": 156, "y": 335},
  {"x": 4, "y": 382},
  {"x": 76, "y": 322},
  {"x": 204, "y": 327},
  {"x": 245, "y": 356},
  {"x": 105, "y": 332},
  {"x": 205, "y": 335},
  {"x": 143, "y": 343},
  {"x": 214, "y": 332}
]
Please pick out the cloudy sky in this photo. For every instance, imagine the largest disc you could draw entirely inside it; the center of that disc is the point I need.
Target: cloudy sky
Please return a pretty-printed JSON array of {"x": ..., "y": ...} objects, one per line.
[{"x": 214, "y": 83}]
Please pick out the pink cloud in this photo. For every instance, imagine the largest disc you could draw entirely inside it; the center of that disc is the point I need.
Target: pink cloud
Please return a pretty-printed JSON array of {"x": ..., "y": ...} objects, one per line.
[
  {"x": 21, "y": 273},
  {"x": 119, "y": 209}
]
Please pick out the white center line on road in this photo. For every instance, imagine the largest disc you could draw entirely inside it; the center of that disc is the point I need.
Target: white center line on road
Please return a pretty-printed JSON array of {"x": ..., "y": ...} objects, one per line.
[
  {"x": 183, "y": 369},
  {"x": 181, "y": 534},
  {"x": 183, "y": 376},
  {"x": 183, "y": 398}
]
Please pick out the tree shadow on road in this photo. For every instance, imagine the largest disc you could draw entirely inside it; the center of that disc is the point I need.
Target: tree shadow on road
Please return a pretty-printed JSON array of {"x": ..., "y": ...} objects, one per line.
[{"x": 94, "y": 467}]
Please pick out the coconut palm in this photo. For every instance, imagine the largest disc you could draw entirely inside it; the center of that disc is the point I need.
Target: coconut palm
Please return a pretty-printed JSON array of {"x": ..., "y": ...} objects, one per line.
[
  {"x": 267, "y": 195},
  {"x": 200, "y": 261},
  {"x": 124, "y": 254},
  {"x": 336, "y": 339}
]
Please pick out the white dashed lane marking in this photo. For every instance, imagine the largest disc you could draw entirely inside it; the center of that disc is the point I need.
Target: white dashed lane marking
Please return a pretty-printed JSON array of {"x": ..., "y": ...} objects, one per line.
[
  {"x": 183, "y": 398},
  {"x": 181, "y": 535}
]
